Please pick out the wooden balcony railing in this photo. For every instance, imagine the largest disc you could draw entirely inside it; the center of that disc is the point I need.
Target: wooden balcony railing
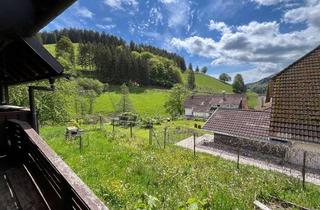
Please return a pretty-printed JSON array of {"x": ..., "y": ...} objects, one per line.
[{"x": 58, "y": 185}]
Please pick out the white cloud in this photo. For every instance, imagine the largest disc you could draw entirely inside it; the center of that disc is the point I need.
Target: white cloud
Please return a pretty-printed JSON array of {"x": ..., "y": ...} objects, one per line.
[
  {"x": 82, "y": 11},
  {"x": 219, "y": 26},
  {"x": 107, "y": 19},
  {"x": 270, "y": 2},
  {"x": 105, "y": 27},
  {"x": 119, "y": 4},
  {"x": 178, "y": 12},
  {"x": 156, "y": 16},
  {"x": 168, "y": 1},
  {"x": 309, "y": 13},
  {"x": 259, "y": 44}
]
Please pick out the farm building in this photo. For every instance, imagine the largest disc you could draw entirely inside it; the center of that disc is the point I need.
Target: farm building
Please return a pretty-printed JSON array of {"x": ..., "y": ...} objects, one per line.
[
  {"x": 202, "y": 106},
  {"x": 294, "y": 119}
]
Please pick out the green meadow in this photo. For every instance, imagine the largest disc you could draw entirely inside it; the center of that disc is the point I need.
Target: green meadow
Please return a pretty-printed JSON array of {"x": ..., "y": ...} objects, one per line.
[{"x": 128, "y": 173}]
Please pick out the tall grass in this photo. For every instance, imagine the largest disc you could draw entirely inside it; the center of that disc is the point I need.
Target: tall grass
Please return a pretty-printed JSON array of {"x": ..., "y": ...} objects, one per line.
[{"x": 123, "y": 172}]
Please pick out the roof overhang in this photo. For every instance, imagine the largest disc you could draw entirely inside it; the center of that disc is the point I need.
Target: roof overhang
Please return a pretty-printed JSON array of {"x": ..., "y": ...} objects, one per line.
[
  {"x": 22, "y": 57},
  {"x": 24, "y": 60}
]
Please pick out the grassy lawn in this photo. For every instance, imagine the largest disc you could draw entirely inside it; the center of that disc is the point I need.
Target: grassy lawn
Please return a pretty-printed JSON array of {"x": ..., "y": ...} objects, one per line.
[
  {"x": 128, "y": 173},
  {"x": 207, "y": 83},
  {"x": 145, "y": 101},
  {"x": 252, "y": 99}
]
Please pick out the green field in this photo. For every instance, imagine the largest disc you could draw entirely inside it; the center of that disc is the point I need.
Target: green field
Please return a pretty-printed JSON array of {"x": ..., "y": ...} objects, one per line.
[
  {"x": 145, "y": 101},
  {"x": 127, "y": 173},
  {"x": 207, "y": 83},
  {"x": 150, "y": 101}
]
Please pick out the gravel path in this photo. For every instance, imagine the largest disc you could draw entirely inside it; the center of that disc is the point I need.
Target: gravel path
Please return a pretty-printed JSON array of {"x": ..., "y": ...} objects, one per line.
[{"x": 188, "y": 143}]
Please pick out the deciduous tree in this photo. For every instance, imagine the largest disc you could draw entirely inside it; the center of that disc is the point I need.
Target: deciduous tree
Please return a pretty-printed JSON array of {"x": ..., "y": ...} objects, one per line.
[
  {"x": 238, "y": 85},
  {"x": 174, "y": 105},
  {"x": 224, "y": 77}
]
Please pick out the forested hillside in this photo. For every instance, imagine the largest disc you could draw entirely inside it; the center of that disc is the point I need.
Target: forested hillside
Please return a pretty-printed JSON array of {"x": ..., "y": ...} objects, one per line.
[
  {"x": 260, "y": 86},
  {"x": 113, "y": 61}
]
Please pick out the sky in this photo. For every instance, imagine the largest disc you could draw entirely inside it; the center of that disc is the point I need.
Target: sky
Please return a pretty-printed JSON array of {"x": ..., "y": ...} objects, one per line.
[{"x": 256, "y": 38}]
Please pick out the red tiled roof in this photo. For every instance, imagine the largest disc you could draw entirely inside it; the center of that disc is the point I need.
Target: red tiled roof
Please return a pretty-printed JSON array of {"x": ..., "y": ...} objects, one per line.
[
  {"x": 203, "y": 103},
  {"x": 295, "y": 93},
  {"x": 248, "y": 124}
]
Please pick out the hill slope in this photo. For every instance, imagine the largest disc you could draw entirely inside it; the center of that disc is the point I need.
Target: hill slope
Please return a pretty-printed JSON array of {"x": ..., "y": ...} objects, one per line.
[
  {"x": 207, "y": 83},
  {"x": 145, "y": 101},
  {"x": 260, "y": 86}
]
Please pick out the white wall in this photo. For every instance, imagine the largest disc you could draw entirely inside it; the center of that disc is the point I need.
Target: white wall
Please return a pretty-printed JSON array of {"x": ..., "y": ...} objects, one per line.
[
  {"x": 201, "y": 114},
  {"x": 188, "y": 112}
]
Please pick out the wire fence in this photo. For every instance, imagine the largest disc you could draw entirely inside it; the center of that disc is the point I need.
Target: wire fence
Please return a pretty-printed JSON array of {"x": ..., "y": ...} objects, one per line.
[{"x": 285, "y": 158}]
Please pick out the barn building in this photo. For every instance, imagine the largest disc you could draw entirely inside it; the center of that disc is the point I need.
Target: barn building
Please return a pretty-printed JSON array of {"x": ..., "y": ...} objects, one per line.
[{"x": 202, "y": 106}]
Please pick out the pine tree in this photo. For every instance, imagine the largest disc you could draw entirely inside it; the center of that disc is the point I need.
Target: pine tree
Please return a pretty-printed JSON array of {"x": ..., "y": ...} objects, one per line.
[
  {"x": 191, "y": 80},
  {"x": 197, "y": 69},
  {"x": 190, "y": 68}
]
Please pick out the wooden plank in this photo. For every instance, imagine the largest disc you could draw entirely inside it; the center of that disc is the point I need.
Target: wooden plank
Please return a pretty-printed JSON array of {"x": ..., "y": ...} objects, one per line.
[
  {"x": 260, "y": 205},
  {"x": 77, "y": 187},
  {"x": 7, "y": 201},
  {"x": 24, "y": 189}
]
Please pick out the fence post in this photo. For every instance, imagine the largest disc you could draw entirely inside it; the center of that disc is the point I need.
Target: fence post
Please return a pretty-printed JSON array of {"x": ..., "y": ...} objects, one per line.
[
  {"x": 194, "y": 144},
  {"x": 164, "y": 137},
  {"x": 238, "y": 158},
  {"x": 100, "y": 120},
  {"x": 150, "y": 136},
  {"x": 130, "y": 130},
  {"x": 304, "y": 169},
  {"x": 113, "y": 129},
  {"x": 80, "y": 143}
]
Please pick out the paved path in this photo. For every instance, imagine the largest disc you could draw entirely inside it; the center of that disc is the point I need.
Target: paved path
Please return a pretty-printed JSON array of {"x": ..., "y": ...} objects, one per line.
[{"x": 188, "y": 143}]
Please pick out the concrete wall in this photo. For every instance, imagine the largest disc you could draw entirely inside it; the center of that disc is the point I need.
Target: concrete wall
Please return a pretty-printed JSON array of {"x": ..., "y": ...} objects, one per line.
[
  {"x": 295, "y": 156},
  {"x": 286, "y": 152}
]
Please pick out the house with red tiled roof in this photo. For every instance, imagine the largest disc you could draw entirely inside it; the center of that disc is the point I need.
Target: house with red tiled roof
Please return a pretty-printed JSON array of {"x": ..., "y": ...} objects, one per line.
[
  {"x": 295, "y": 97},
  {"x": 293, "y": 119},
  {"x": 202, "y": 106}
]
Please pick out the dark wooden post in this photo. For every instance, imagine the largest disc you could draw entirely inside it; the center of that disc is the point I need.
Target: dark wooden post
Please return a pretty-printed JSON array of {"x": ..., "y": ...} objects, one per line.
[
  {"x": 80, "y": 143},
  {"x": 238, "y": 158},
  {"x": 164, "y": 137},
  {"x": 194, "y": 144},
  {"x": 130, "y": 130},
  {"x": 150, "y": 136},
  {"x": 100, "y": 120},
  {"x": 113, "y": 129},
  {"x": 304, "y": 169}
]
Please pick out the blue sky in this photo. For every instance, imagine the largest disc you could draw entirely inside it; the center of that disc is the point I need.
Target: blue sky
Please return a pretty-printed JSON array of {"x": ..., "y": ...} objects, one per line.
[{"x": 256, "y": 38}]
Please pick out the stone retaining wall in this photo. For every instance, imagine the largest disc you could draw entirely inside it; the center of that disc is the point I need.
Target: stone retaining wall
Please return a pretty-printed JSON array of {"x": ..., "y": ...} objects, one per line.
[
  {"x": 267, "y": 150},
  {"x": 274, "y": 149}
]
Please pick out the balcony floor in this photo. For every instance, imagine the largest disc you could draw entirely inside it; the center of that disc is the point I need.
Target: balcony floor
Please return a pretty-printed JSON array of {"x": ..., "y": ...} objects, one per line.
[{"x": 17, "y": 189}]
